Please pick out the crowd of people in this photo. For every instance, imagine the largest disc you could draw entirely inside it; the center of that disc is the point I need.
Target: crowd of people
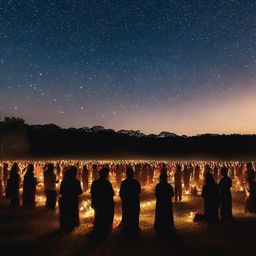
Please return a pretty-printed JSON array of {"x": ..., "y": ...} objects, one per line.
[{"x": 62, "y": 183}]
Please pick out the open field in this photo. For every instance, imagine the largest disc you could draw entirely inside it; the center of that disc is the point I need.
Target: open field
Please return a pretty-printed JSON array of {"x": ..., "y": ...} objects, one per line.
[{"x": 36, "y": 232}]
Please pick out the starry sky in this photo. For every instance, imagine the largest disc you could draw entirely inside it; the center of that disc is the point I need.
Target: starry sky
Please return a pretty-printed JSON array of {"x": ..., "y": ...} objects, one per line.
[{"x": 183, "y": 66}]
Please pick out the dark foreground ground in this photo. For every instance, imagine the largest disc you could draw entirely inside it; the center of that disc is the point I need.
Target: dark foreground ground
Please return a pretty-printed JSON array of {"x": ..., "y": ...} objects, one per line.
[{"x": 35, "y": 232}]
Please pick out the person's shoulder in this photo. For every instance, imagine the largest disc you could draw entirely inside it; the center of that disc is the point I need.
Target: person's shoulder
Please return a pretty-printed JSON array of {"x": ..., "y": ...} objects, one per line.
[
  {"x": 169, "y": 185},
  {"x": 158, "y": 185},
  {"x": 95, "y": 182}
]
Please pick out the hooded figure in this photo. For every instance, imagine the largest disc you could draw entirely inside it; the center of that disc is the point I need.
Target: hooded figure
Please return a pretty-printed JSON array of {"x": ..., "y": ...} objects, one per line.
[
  {"x": 178, "y": 183},
  {"x": 12, "y": 187},
  {"x": 210, "y": 194},
  {"x": 103, "y": 204},
  {"x": 225, "y": 185},
  {"x": 130, "y": 196},
  {"x": 70, "y": 189},
  {"x": 29, "y": 187},
  {"x": 164, "y": 223}
]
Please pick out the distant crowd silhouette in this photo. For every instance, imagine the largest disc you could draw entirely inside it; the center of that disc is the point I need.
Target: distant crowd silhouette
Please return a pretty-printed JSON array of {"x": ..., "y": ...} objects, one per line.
[{"x": 214, "y": 179}]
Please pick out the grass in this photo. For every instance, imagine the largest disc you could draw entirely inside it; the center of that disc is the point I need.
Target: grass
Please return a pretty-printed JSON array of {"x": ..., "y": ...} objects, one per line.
[{"x": 35, "y": 232}]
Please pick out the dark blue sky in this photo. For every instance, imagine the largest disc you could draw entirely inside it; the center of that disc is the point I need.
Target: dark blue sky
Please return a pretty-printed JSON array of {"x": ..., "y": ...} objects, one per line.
[{"x": 183, "y": 66}]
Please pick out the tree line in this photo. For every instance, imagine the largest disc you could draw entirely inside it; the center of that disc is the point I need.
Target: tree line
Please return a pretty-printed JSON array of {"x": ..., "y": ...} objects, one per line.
[{"x": 18, "y": 139}]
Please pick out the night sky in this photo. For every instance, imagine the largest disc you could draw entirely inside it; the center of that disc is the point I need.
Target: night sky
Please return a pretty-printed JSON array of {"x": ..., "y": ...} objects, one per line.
[{"x": 184, "y": 66}]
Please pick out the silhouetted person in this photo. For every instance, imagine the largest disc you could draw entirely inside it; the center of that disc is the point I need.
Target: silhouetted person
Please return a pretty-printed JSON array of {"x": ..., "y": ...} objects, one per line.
[
  {"x": 207, "y": 169},
  {"x": 12, "y": 187},
  {"x": 144, "y": 175},
  {"x": 94, "y": 172},
  {"x": 186, "y": 177},
  {"x": 239, "y": 173},
  {"x": 103, "y": 204},
  {"x": 197, "y": 174},
  {"x": 164, "y": 214},
  {"x": 250, "y": 173},
  {"x": 216, "y": 173},
  {"x": 85, "y": 178},
  {"x": 164, "y": 168},
  {"x": 250, "y": 204},
  {"x": 5, "y": 175},
  {"x": 210, "y": 194},
  {"x": 150, "y": 174},
  {"x": 70, "y": 189},
  {"x": 50, "y": 187},
  {"x": 130, "y": 196},
  {"x": 178, "y": 183},
  {"x": 137, "y": 172},
  {"x": 58, "y": 170},
  {"x": 118, "y": 175},
  {"x": 225, "y": 185},
  {"x": 29, "y": 188},
  {"x": 1, "y": 179}
]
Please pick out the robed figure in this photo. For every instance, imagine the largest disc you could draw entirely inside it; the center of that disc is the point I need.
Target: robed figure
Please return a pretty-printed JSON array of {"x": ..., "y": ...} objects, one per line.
[
  {"x": 85, "y": 178},
  {"x": 50, "y": 187},
  {"x": 225, "y": 185},
  {"x": 29, "y": 187},
  {"x": 70, "y": 189},
  {"x": 210, "y": 194},
  {"x": 130, "y": 196},
  {"x": 12, "y": 187},
  {"x": 164, "y": 223},
  {"x": 102, "y": 195},
  {"x": 250, "y": 203}
]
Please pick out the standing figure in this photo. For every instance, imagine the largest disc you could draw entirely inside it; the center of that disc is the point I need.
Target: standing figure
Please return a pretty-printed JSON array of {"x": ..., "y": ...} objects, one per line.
[
  {"x": 94, "y": 172},
  {"x": 186, "y": 177},
  {"x": 150, "y": 174},
  {"x": 29, "y": 188},
  {"x": 249, "y": 173},
  {"x": 130, "y": 196},
  {"x": 144, "y": 175},
  {"x": 250, "y": 203},
  {"x": 225, "y": 185},
  {"x": 118, "y": 175},
  {"x": 216, "y": 173},
  {"x": 197, "y": 175},
  {"x": 5, "y": 174},
  {"x": 164, "y": 223},
  {"x": 70, "y": 189},
  {"x": 1, "y": 179},
  {"x": 210, "y": 194},
  {"x": 85, "y": 178},
  {"x": 178, "y": 183},
  {"x": 50, "y": 187},
  {"x": 58, "y": 170},
  {"x": 103, "y": 204},
  {"x": 137, "y": 172},
  {"x": 12, "y": 187}
]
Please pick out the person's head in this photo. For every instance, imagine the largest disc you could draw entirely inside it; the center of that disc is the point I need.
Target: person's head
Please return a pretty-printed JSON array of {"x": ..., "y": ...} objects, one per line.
[
  {"x": 30, "y": 168},
  {"x": 252, "y": 176},
  {"x": 103, "y": 173},
  {"x": 50, "y": 167},
  {"x": 129, "y": 172},
  {"x": 73, "y": 172},
  {"x": 249, "y": 166},
  {"x": 163, "y": 177},
  {"x": 208, "y": 178},
  {"x": 178, "y": 167},
  {"x": 14, "y": 168},
  {"x": 224, "y": 171}
]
